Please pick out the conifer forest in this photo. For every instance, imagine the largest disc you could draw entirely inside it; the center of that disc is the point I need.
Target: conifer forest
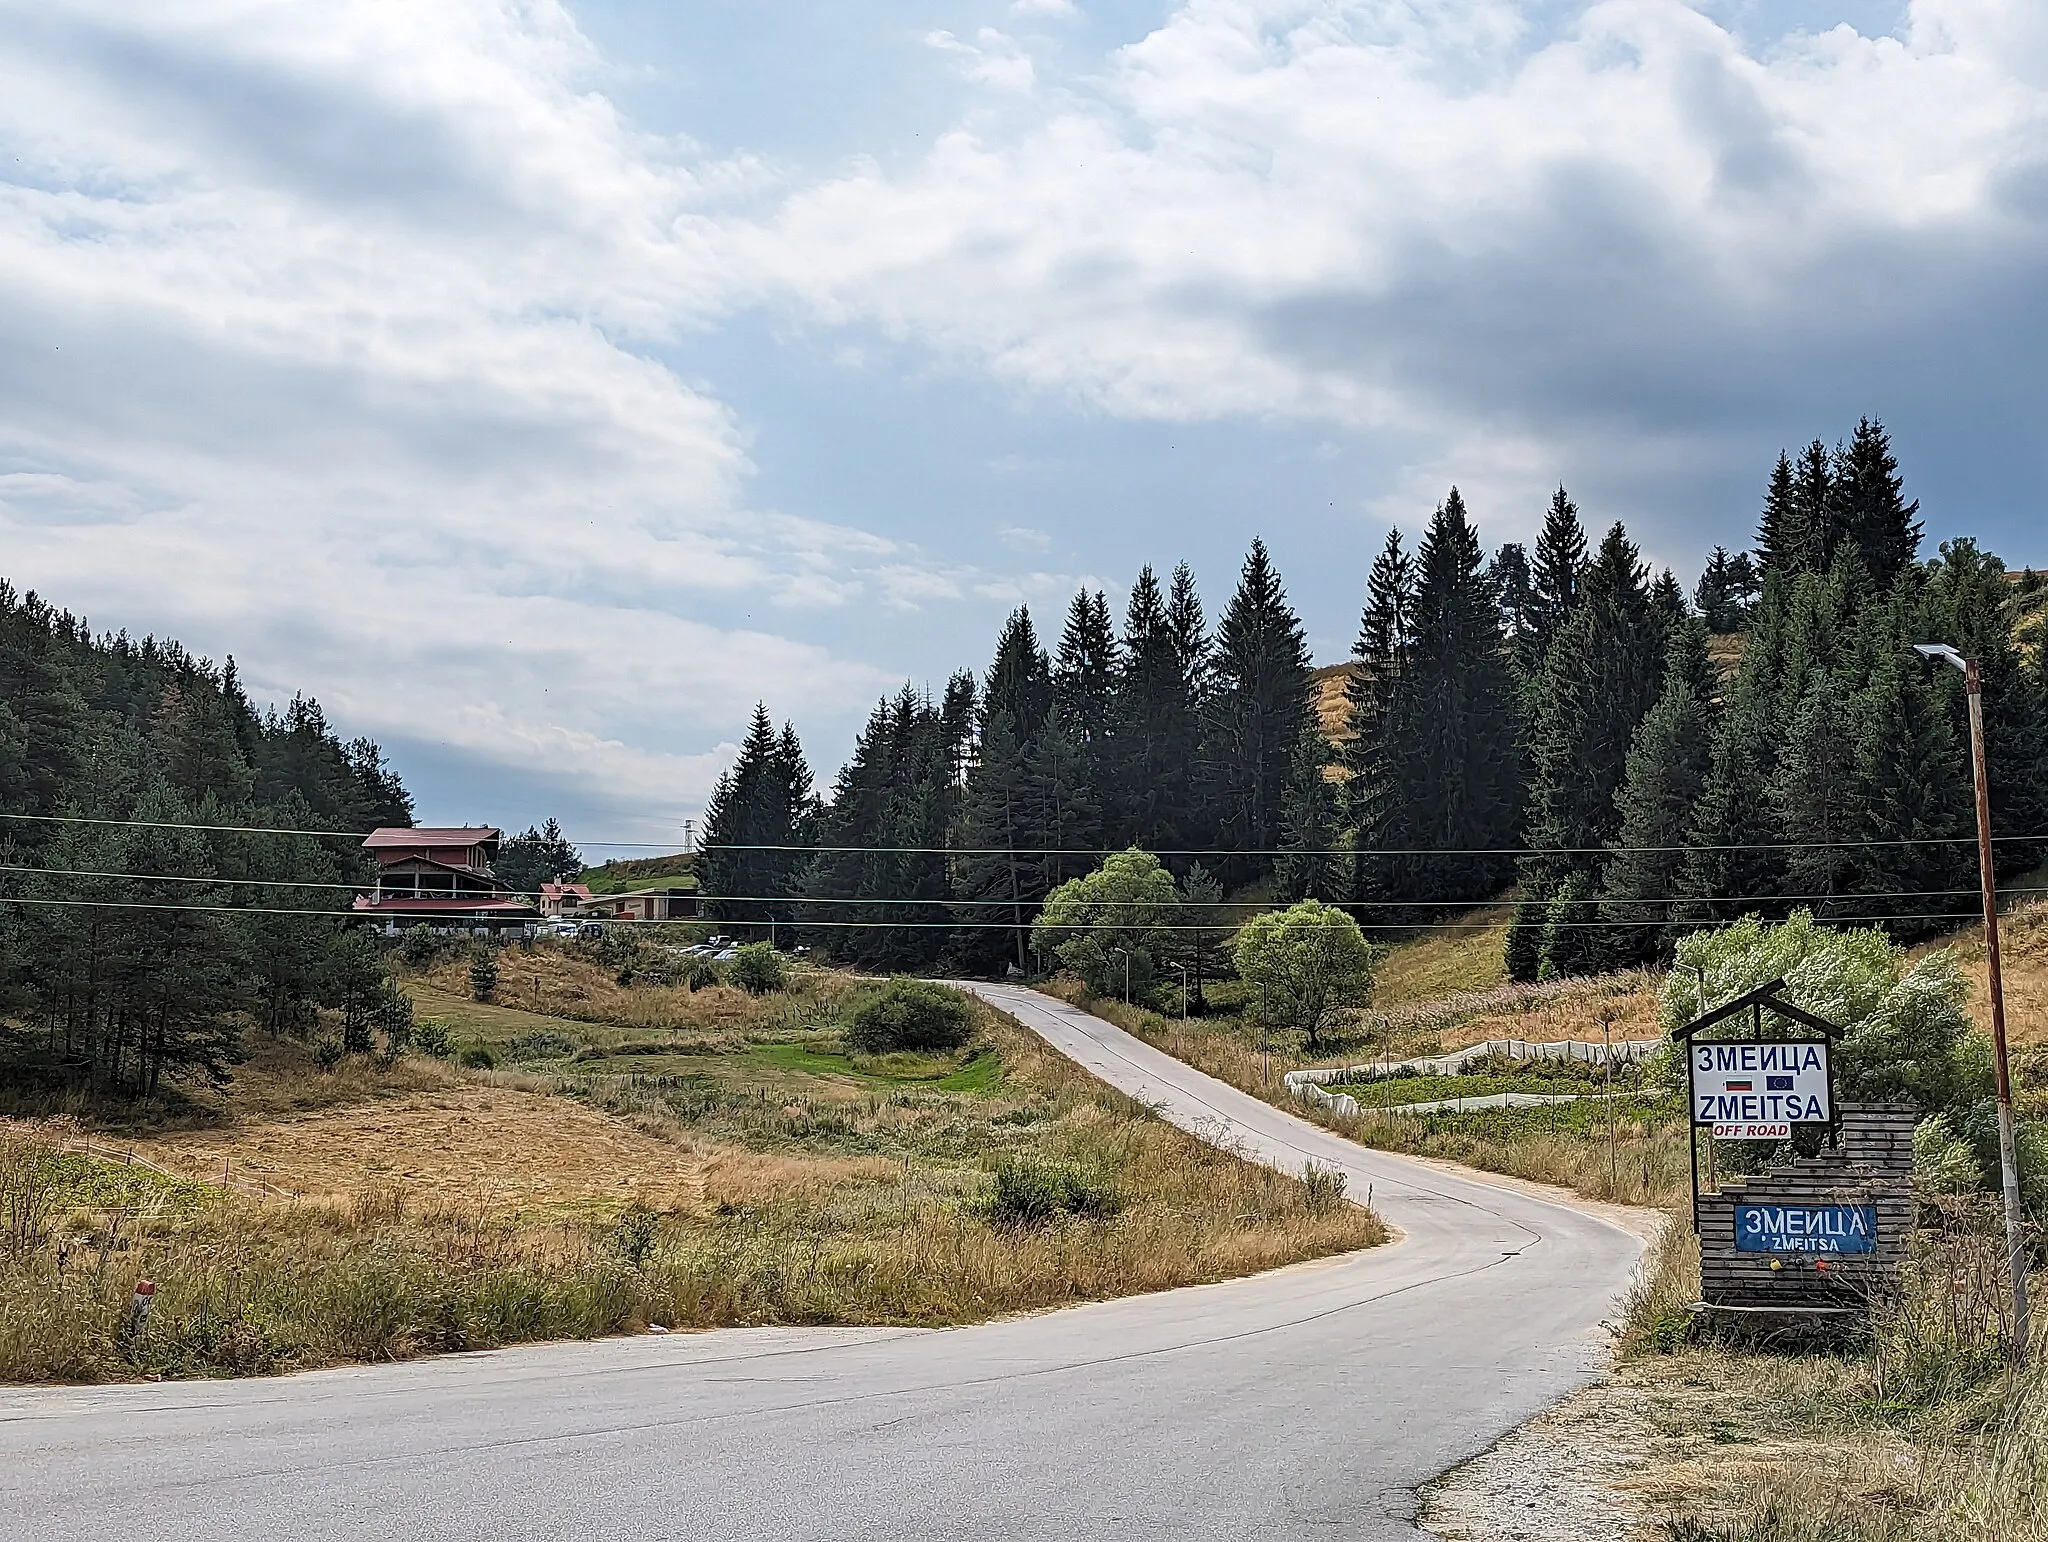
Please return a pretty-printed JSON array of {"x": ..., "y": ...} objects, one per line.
[
  {"x": 1622, "y": 757},
  {"x": 1627, "y": 759}
]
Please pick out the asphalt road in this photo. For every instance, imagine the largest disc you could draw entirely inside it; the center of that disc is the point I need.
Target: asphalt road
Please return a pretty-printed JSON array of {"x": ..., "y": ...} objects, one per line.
[{"x": 1311, "y": 1402}]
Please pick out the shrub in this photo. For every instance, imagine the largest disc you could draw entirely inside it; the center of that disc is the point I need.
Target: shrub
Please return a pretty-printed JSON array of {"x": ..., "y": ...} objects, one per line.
[
  {"x": 547, "y": 1044},
  {"x": 1322, "y": 1188},
  {"x": 483, "y": 972},
  {"x": 758, "y": 969},
  {"x": 327, "y": 1053},
  {"x": 421, "y": 945},
  {"x": 699, "y": 974},
  {"x": 430, "y": 1037},
  {"x": 1029, "y": 1193},
  {"x": 910, "y": 1014},
  {"x": 477, "y": 1057}
]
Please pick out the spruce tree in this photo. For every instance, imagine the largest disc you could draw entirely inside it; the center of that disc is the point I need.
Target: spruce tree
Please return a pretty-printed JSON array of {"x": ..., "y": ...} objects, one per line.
[
  {"x": 1084, "y": 674},
  {"x": 1020, "y": 679},
  {"x": 1910, "y": 795},
  {"x": 1310, "y": 865},
  {"x": 1867, "y": 508},
  {"x": 1195, "y": 823},
  {"x": 758, "y": 811},
  {"x": 1002, "y": 863},
  {"x": 1968, "y": 603},
  {"x": 1810, "y": 794},
  {"x": 1812, "y": 538},
  {"x": 1780, "y": 535},
  {"x": 1711, "y": 595},
  {"x": 1604, "y": 671},
  {"x": 1378, "y": 811},
  {"x": 1061, "y": 803},
  {"x": 1256, "y": 713},
  {"x": 1452, "y": 723},
  {"x": 1513, "y": 588},
  {"x": 1147, "y": 790},
  {"x": 1554, "y": 583},
  {"x": 1668, "y": 765},
  {"x": 1668, "y": 600}
]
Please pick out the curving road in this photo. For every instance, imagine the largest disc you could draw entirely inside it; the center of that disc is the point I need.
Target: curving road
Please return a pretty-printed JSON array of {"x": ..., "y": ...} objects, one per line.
[{"x": 1310, "y": 1402}]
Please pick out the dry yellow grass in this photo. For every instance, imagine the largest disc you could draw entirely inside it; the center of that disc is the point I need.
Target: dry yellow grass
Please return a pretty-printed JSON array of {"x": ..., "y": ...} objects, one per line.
[
  {"x": 551, "y": 980},
  {"x": 452, "y": 1210},
  {"x": 1468, "y": 954},
  {"x": 492, "y": 1150}
]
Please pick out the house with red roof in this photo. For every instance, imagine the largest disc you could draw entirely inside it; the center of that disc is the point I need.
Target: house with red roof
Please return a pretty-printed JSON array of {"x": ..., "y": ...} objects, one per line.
[
  {"x": 440, "y": 875},
  {"x": 564, "y": 899}
]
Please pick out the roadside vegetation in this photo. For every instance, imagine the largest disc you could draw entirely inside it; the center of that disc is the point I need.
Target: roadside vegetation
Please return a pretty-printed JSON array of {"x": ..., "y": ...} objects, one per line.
[{"x": 832, "y": 1152}]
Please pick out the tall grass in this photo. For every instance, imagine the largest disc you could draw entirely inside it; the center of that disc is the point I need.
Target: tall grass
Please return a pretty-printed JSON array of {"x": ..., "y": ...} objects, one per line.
[{"x": 876, "y": 1210}]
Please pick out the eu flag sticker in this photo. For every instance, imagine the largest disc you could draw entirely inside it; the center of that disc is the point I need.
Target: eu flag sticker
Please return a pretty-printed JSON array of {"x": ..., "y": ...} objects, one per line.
[{"x": 1778, "y": 1083}]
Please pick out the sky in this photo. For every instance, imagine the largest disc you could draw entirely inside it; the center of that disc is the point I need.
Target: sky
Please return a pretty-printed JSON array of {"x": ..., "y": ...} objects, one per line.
[{"x": 542, "y": 384}]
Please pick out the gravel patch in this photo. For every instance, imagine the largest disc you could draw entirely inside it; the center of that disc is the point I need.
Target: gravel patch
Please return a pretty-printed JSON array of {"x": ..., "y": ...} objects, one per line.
[{"x": 1556, "y": 1479}]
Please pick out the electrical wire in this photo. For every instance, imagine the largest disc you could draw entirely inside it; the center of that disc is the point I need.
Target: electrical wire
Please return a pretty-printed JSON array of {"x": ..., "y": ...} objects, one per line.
[
  {"x": 362, "y": 915},
  {"x": 999, "y": 902},
  {"x": 1095, "y": 851}
]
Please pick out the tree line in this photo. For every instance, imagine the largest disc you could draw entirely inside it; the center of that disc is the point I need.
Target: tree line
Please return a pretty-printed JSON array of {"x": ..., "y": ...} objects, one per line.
[
  {"x": 120, "y": 949},
  {"x": 1631, "y": 759}
]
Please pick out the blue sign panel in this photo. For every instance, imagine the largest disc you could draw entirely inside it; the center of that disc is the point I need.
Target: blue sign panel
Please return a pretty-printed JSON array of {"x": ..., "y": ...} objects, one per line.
[{"x": 1805, "y": 1229}]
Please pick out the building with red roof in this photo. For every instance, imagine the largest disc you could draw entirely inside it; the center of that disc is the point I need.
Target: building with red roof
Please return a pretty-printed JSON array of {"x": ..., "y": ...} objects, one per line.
[{"x": 440, "y": 875}]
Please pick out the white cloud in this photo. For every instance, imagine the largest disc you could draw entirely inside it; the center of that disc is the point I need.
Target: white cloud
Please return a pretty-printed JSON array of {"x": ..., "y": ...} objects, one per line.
[
  {"x": 1506, "y": 251},
  {"x": 992, "y": 59},
  {"x": 322, "y": 340},
  {"x": 1059, "y": 8}
]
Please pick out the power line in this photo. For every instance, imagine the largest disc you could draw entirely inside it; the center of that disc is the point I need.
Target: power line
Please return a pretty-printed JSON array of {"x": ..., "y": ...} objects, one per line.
[
  {"x": 998, "y": 903},
  {"x": 1087, "y": 851},
  {"x": 358, "y": 915}
]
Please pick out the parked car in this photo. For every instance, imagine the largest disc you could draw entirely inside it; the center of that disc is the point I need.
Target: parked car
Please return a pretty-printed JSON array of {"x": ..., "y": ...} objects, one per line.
[
  {"x": 725, "y": 957},
  {"x": 590, "y": 929},
  {"x": 563, "y": 929}
]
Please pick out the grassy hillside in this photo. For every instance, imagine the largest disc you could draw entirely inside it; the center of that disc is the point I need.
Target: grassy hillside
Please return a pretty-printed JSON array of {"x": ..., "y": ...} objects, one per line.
[
  {"x": 660, "y": 1157},
  {"x": 678, "y": 870}
]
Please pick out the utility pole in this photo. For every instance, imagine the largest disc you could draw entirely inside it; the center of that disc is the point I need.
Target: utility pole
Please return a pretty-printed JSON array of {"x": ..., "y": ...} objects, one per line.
[{"x": 2008, "y": 1163}]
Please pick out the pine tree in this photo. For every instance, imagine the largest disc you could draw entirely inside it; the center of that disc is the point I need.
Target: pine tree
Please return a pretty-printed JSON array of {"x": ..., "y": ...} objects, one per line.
[
  {"x": 1513, "y": 588},
  {"x": 1809, "y": 795},
  {"x": 1148, "y": 787},
  {"x": 1378, "y": 811},
  {"x": 1968, "y": 604},
  {"x": 1020, "y": 679},
  {"x": 1867, "y": 508},
  {"x": 1452, "y": 725},
  {"x": 536, "y": 856},
  {"x": 1780, "y": 535},
  {"x": 1310, "y": 866},
  {"x": 1603, "y": 673},
  {"x": 1812, "y": 537},
  {"x": 1668, "y": 765},
  {"x": 1711, "y": 594},
  {"x": 749, "y": 866},
  {"x": 1667, "y": 599},
  {"x": 1910, "y": 794},
  {"x": 1554, "y": 588},
  {"x": 1260, "y": 703},
  {"x": 1084, "y": 674}
]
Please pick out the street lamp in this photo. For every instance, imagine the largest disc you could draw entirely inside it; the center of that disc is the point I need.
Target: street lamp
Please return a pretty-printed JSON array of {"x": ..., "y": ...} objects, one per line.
[
  {"x": 1126, "y": 952},
  {"x": 2008, "y": 1164},
  {"x": 1183, "y": 968}
]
